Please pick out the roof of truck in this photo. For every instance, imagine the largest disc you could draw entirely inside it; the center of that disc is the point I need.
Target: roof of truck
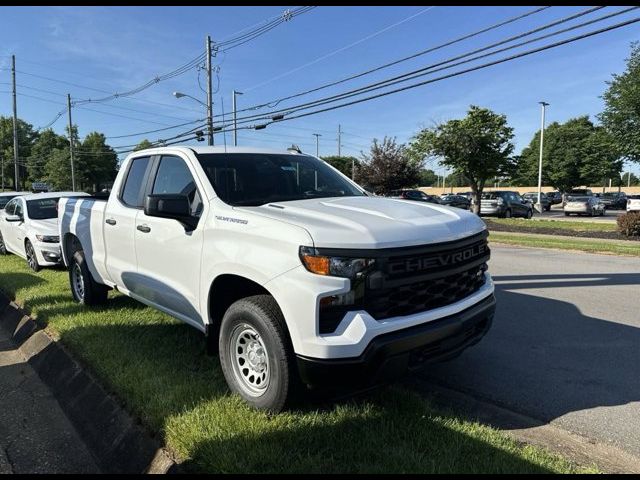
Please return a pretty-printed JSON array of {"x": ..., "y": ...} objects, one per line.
[{"x": 222, "y": 149}]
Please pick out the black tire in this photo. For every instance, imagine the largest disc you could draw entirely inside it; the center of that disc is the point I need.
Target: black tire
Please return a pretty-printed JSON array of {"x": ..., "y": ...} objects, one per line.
[
  {"x": 32, "y": 258},
  {"x": 529, "y": 214},
  {"x": 3, "y": 247},
  {"x": 566, "y": 214},
  {"x": 548, "y": 209},
  {"x": 507, "y": 213},
  {"x": 259, "y": 322},
  {"x": 84, "y": 288}
]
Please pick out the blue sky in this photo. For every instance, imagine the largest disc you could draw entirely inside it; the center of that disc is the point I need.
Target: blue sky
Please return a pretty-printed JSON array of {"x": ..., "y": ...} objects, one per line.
[{"x": 117, "y": 48}]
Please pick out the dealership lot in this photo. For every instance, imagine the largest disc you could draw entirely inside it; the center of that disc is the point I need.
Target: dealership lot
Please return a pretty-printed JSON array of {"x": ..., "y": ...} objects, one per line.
[{"x": 565, "y": 344}]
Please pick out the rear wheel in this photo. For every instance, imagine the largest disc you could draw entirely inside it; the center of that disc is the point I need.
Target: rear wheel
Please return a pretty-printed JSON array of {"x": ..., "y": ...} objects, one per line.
[
  {"x": 507, "y": 214},
  {"x": 256, "y": 355},
  {"x": 84, "y": 288},
  {"x": 3, "y": 248},
  {"x": 529, "y": 214},
  {"x": 32, "y": 259}
]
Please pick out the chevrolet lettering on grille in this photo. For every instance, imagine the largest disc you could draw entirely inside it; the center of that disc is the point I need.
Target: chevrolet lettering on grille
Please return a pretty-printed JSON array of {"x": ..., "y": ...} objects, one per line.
[{"x": 449, "y": 259}]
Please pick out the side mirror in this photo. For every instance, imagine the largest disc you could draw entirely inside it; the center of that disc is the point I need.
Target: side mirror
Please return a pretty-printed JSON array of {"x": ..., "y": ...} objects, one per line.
[
  {"x": 174, "y": 206},
  {"x": 13, "y": 218}
]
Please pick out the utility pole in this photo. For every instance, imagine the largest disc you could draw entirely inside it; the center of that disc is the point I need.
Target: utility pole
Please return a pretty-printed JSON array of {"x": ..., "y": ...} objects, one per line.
[
  {"x": 209, "y": 93},
  {"x": 544, "y": 105},
  {"x": 2, "y": 160},
  {"x": 71, "y": 148},
  {"x": 317, "y": 135},
  {"x": 16, "y": 177},
  {"x": 235, "y": 125},
  {"x": 628, "y": 177},
  {"x": 339, "y": 140}
]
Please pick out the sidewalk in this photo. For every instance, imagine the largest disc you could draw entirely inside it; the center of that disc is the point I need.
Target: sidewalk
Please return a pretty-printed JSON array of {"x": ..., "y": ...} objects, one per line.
[{"x": 35, "y": 435}]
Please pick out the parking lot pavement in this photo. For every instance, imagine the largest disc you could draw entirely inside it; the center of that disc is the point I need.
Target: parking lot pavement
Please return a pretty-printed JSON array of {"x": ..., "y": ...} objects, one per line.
[
  {"x": 565, "y": 344},
  {"x": 35, "y": 435},
  {"x": 557, "y": 213}
]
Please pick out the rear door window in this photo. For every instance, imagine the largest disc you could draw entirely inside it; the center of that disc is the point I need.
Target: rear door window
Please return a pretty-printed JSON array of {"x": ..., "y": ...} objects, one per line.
[{"x": 132, "y": 191}]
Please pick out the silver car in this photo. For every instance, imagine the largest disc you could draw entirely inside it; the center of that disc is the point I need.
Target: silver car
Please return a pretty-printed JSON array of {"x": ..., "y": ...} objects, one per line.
[{"x": 584, "y": 205}]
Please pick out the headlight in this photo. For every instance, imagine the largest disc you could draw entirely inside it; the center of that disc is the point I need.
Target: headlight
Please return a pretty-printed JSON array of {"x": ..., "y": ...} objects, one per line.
[
  {"x": 48, "y": 238},
  {"x": 333, "y": 266}
]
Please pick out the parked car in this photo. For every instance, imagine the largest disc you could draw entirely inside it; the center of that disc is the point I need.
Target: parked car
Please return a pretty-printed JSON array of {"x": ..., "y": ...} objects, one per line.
[
  {"x": 456, "y": 201},
  {"x": 416, "y": 195},
  {"x": 29, "y": 228},
  {"x": 584, "y": 205},
  {"x": 554, "y": 197},
  {"x": 614, "y": 200},
  {"x": 576, "y": 192},
  {"x": 505, "y": 204},
  {"x": 532, "y": 198},
  {"x": 633, "y": 203},
  {"x": 293, "y": 282},
  {"x": 6, "y": 196}
]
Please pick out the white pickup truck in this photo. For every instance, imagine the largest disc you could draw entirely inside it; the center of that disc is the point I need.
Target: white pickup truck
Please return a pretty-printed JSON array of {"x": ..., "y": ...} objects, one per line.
[{"x": 296, "y": 276}]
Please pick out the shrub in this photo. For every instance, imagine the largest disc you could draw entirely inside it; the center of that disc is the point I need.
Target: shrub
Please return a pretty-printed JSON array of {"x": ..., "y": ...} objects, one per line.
[{"x": 629, "y": 224}]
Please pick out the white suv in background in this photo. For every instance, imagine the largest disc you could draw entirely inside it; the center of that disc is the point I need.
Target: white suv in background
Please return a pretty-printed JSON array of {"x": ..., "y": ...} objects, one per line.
[
  {"x": 633, "y": 203},
  {"x": 29, "y": 228}
]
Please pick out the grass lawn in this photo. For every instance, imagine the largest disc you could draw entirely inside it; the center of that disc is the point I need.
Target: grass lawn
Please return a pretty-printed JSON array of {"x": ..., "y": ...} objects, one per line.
[
  {"x": 584, "y": 245},
  {"x": 159, "y": 368},
  {"x": 575, "y": 226}
]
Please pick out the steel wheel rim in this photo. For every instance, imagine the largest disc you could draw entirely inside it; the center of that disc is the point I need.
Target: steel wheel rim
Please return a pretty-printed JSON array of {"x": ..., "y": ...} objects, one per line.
[
  {"x": 77, "y": 281},
  {"x": 31, "y": 256},
  {"x": 250, "y": 360}
]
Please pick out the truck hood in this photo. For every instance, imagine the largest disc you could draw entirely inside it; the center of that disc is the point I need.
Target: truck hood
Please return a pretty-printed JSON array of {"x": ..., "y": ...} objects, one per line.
[
  {"x": 48, "y": 226},
  {"x": 373, "y": 222}
]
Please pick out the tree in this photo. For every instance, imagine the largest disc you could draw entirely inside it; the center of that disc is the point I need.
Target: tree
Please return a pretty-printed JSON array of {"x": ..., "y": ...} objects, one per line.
[
  {"x": 388, "y": 167},
  {"x": 624, "y": 180},
  {"x": 142, "y": 145},
  {"x": 42, "y": 151},
  {"x": 26, "y": 136},
  {"x": 575, "y": 153},
  {"x": 427, "y": 178},
  {"x": 58, "y": 171},
  {"x": 342, "y": 163},
  {"x": 478, "y": 147},
  {"x": 97, "y": 162},
  {"x": 621, "y": 115}
]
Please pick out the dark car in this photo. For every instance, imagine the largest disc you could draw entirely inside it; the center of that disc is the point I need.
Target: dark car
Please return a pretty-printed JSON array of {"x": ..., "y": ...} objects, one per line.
[
  {"x": 532, "y": 198},
  {"x": 416, "y": 195},
  {"x": 554, "y": 197},
  {"x": 505, "y": 204},
  {"x": 617, "y": 200},
  {"x": 459, "y": 201}
]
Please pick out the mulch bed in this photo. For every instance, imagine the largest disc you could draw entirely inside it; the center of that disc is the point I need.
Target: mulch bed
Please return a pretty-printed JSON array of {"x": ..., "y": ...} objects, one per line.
[{"x": 499, "y": 227}]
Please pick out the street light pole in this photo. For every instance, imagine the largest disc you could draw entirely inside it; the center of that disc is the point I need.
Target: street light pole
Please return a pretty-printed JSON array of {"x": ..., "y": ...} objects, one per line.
[
  {"x": 235, "y": 125},
  {"x": 544, "y": 105},
  {"x": 317, "y": 135},
  {"x": 209, "y": 93}
]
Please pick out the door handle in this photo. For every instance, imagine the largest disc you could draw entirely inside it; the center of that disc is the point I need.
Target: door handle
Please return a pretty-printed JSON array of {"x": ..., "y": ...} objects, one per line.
[
  {"x": 110, "y": 221},
  {"x": 143, "y": 228}
]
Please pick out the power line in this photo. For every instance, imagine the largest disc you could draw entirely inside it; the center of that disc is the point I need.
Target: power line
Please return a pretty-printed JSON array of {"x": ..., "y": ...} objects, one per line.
[
  {"x": 275, "y": 102},
  {"x": 430, "y": 69},
  {"x": 137, "y": 134},
  {"x": 462, "y": 72},
  {"x": 335, "y": 52}
]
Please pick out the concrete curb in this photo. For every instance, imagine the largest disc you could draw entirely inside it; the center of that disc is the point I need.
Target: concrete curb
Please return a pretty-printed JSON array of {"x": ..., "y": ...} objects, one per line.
[{"x": 116, "y": 441}]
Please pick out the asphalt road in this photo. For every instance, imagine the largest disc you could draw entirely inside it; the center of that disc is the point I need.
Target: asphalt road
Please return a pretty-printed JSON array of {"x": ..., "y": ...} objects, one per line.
[
  {"x": 565, "y": 344},
  {"x": 557, "y": 213},
  {"x": 35, "y": 435}
]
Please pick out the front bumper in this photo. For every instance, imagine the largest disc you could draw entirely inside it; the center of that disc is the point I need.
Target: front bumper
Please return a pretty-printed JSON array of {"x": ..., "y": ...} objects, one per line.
[
  {"x": 393, "y": 354},
  {"x": 48, "y": 253}
]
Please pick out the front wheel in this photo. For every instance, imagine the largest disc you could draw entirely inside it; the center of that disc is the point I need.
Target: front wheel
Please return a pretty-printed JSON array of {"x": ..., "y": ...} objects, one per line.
[
  {"x": 256, "y": 355},
  {"x": 529, "y": 214},
  {"x": 32, "y": 259},
  {"x": 84, "y": 288},
  {"x": 507, "y": 214}
]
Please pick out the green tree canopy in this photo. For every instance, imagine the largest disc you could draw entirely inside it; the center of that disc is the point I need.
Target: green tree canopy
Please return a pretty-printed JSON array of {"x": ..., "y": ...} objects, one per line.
[
  {"x": 621, "y": 115},
  {"x": 478, "y": 147},
  {"x": 576, "y": 153},
  {"x": 26, "y": 136},
  {"x": 142, "y": 145},
  {"x": 42, "y": 151},
  {"x": 387, "y": 167},
  {"x": 97, "y": 162}
]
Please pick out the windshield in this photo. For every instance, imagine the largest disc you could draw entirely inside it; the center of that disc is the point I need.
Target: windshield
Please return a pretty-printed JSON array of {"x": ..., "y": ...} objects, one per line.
[
  {"x": 572, "y": 198},
  {"x": 252, "y": 179},
  {"x": 43, "y": 209}
]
